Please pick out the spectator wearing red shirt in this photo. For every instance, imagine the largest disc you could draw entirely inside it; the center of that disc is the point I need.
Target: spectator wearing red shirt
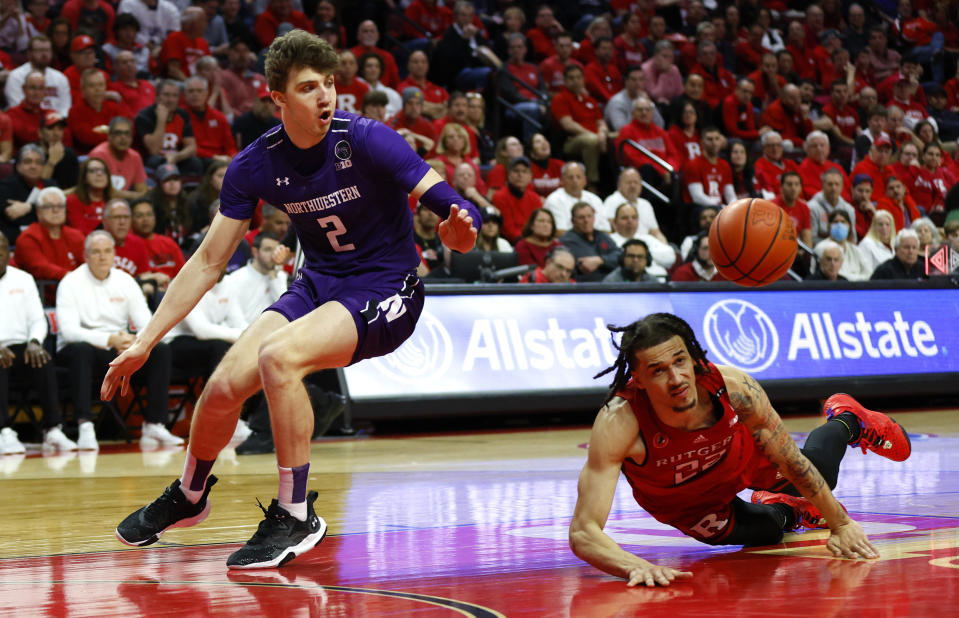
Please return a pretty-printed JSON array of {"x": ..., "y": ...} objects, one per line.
[
  {"x": 845, "y": 119},
  {"x": 277, "y": 12},
  {"x": 898, "y": 203},
  {"x": 91, "y": 115},
  {"x": 84, "y": 56},
  {"x": 182, "y": 48},
  {"x": 544, "y": 30},
  {"x": 165, "y": 133},
  {"x": 862, "y": 201},
  {"x": 913, "y": 112},
  {"x": 559, "y": 265},
  {"x": 132, "y": 255},
  {"x": 603, "y": 78},
  {"x": 507, "y": 149},
  {"x": 239, "y": 83},
  {"x": 629, "y": 44},
  {"x": 165, "y": 255},
  {"x": 876, "y": 163},
  {"x": 214, "y": 140},
  {"x": 428, "y": 15},
  {"x": 804, "y": 63},
  {"x": 95, "y": 16},
  {"x": 49, "y": 249},
  {"x": 771, "y": 166},
  {"x": 581, "y": 117},
  {"x": 435, "y": 96},
  {"x": 553, "y": 68},
  {"x": 907, "y": 167},
  {"x": 86, "y": 204},
  {"x": 125, "y": 31},
  {"x": 790, "y": 188},
  {"x": 274, "y": 224},
  {"x": 787, "y": 116},
  {"x": 822, "y": 54},
  {"x": 685, "y": 134},
  {"x": 538, "y": 238},
  {"x": 350, "y": 90},
  {"x": 367, "y": 34},
  {"x": 699, "y": 263},
  {"x": 409, "y": 121},
  {"x": 6, "y": 138},
  {"x": 125, "y": 163},
  {"x": 719, "y": 83},
  {"x": 708, "y": 179},
  {"x": 910, "y": 70},
  {"x": 767, "y": 80},
  {"x": 644, "y": 132},
  {"x": 929, "y": 190},
  {"x": 457, "y": 110},
  {"x": 517, "y": 200},
  {"x": 547, "y": 171},
  {"x": 739, "y": 119},
  {"x": 135, "y": 93},
  {"x": 817, "y": 163},
  {"x": 520, "y": 83},
  {"x": 749, "y": 51}
]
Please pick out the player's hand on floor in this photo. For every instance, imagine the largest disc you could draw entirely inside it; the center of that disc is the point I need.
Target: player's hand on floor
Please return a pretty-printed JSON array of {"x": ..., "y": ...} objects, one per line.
[
  {"x": 121, "y": 368},
  {"x": 648, "y": 574},
  {"x": 458, "y": 232},
  {"x": 850, "y": 541}
]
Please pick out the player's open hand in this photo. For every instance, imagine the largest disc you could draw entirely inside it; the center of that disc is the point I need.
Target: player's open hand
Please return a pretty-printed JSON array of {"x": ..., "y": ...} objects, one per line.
[
  {"x": 458, "y": 232},
  {"x": 121, "y": 368},
  {"x": 648, "y": 574},
  {"x": 850, "y": 541}
]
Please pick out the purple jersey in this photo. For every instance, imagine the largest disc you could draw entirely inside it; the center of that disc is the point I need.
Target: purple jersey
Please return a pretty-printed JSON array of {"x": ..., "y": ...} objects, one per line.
[{"x": 352, "y": 215}]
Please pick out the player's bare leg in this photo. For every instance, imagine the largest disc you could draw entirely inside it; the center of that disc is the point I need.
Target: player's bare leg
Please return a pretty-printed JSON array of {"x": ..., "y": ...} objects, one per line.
[
  {"x": 236, "y": 378},
  {"x": 325, "y": 338}
]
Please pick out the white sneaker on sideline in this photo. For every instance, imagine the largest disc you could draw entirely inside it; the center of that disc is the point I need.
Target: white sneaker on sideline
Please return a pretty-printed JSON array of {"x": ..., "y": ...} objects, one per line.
[
  {"x": 10, "y": 443},
  {"x": 241, "y": 433},
  {"x": 87, "y": 440},
  {"x": 54, "y": 440},
  {"x": 155, "y": 434}
]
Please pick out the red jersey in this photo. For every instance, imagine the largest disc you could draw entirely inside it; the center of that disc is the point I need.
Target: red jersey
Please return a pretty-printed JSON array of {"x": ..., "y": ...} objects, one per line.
[
  {"x": 628, "y": 54},
  {"x": 165, "y": 255},
  {"x": 652, "y": 138},
  {"x": 794, "y": 126},
  {"x": 886, "y": 90},
  {"x": 763, "y": 91},
  {"x": 136, "y": 97},
  {"x": 542, "y": 43},
  {"x": 799, "y": 213},
  {"x": 768, "y": 173},
  {"x": 349, "y": 97},
  {"x": 929, "y": 189},
  {"x": 46, "y": 258},
  {"x": 811, "y": 173},
  {"x": 552, "y": 71},
  {"x": 689, "y": 478},
  {"x": 603, "y": 81},
  {"x": 83, "y": 120},
  {"x": 434, "y": 19},
  {"x": 178, "y": 46},
  {"x": 868, "y": 166},
  {"x": 421, "y": 126},
  {"x": 688, "y": 146},
  {"x": 212, "y": 133},
  {"x": 133, "y": 257},
  {"x": 583, "y": 108},
  {"x": 713, "y": 177},
  {"x": 85, "y": 217},
  {"x": 719, "y": 83},
  {"x": 26, "y": 124},
  {"x": 496, "y": 177},
  {"x": 739, "y": 119},
  {"x": 528, "y": 253},
  {"x": 803, "y": 61},
  {"x": 919, "y": 31},
  {"x": 546, "y": 179},
  {"x": 432, "y": 93},
  {"x": 847, "y": 119},
  {"x": 529, "y": 75},
  {"x": 516, "y": 210}
]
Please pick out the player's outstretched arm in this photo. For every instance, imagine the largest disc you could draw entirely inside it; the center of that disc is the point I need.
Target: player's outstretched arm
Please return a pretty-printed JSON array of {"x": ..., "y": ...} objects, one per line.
[
  {"x": 461, "y": 219},
  {"x": 750, "y": 401},
  {"x": 614, "y": 433},
  {"x": 197, "y": 276}
]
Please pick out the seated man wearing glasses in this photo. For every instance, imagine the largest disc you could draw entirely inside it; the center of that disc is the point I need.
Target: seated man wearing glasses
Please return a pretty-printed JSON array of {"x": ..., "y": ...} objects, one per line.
[{"x": 127, "y": 174}]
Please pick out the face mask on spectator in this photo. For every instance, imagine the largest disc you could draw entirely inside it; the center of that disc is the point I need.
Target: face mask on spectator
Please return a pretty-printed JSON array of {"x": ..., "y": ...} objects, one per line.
[{"x": 839, "y": 231}]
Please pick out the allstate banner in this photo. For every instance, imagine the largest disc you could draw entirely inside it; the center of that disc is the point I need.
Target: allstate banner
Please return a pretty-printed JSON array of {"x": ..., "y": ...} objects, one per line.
[{"x": 474, "y": 344}]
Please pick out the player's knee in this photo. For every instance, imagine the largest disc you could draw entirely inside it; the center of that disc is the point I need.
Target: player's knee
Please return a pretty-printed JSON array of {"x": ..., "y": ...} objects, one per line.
[
  {"x": 220, "y": 393},
  {"x": 275, "y": 364}
]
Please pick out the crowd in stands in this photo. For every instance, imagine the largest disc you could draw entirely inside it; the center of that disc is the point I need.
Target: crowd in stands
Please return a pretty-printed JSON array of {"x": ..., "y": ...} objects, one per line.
[{"x": 599, "y": 138}]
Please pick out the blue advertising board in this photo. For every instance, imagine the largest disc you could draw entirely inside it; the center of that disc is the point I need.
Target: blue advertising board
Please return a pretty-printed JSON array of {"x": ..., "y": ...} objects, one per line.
[{"x": 470, "y": 345}]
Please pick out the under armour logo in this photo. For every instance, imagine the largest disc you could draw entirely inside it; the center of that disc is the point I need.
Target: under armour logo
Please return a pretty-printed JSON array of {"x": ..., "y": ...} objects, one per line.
[{"x": 283, "y": 181}]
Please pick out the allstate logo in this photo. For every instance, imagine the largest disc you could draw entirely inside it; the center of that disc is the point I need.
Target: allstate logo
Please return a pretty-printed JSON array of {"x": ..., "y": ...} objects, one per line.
[
  {"x": 428, "y": 353},
  {"x": 741, "y": 335}
]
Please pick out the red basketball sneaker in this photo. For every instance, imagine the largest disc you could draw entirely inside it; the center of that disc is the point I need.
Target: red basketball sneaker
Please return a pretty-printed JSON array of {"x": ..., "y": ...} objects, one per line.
[
  {"x": 879, "y": 433},
  {"x": 807, "y": 515}
]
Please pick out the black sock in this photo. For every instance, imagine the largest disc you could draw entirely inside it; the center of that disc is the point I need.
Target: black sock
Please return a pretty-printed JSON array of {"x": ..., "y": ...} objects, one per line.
[
  {"x": 852, "y": 425},
  {"x": 786, "y": 513}
]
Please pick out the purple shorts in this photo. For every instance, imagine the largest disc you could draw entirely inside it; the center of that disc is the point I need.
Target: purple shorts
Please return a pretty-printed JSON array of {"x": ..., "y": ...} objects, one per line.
[{"x": 384, "y": 306}]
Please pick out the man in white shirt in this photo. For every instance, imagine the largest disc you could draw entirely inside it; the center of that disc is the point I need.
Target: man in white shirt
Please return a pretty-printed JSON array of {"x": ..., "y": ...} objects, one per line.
[
  {"x": 573, "y": 189},
  {"x": 157, "y": 19},
  {"x": 39, "y": 57},
  {"x": 22, "y": 331},
  {"x": 619, "y": 109},
  {"x": 96, "y": 303},
  {"x": 660, "y": 256},
  {"x": 628, "y": 188},
  {"x": 257, "y": 285}
]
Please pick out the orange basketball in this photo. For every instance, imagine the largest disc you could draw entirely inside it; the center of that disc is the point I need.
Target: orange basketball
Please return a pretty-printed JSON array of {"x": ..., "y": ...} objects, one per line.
[{"x": 752, "y": 242}]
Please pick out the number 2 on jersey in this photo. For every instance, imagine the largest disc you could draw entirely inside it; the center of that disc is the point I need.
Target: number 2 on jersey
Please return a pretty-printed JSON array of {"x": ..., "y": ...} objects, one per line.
[{"x": 338, "y": 230}]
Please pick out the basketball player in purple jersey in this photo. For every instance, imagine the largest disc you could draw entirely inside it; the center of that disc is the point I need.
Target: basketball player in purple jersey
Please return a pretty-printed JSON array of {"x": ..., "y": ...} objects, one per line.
[{"x": 343, "y": 180}]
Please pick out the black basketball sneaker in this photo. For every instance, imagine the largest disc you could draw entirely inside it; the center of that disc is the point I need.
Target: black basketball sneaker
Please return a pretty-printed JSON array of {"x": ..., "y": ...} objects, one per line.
[
  {"x": 171, "y": 510},
  {"x": 280, "y": 537}
]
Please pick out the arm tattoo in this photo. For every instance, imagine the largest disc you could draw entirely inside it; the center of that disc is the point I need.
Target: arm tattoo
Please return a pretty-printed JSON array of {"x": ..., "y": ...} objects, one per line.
[{"x": 781, "y": 450}]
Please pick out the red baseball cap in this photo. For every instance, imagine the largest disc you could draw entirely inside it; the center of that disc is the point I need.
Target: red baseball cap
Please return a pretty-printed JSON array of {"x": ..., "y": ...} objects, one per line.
[
  {"x": 82, "y": 42},
  {"x": 53, "y": 118},
  {"x": 262, "y": 90},
  {"x": 882, "y": 140}
]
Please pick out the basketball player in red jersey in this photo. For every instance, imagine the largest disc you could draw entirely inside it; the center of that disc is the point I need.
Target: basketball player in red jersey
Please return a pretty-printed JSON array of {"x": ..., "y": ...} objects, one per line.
[{"x": 689, "y": 435}]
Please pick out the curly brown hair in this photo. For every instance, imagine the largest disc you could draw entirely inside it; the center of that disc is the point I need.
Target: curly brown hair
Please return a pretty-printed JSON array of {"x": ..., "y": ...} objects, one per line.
[{"x": 298, "y": 49}]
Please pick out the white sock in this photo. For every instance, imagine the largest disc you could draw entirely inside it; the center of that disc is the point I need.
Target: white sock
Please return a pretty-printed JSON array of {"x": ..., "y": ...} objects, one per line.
[{"x": 291, "y": 495}]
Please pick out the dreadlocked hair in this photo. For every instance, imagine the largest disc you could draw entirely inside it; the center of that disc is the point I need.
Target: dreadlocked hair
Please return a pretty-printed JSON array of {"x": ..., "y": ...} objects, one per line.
[{"x": 654, "y": 329}]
